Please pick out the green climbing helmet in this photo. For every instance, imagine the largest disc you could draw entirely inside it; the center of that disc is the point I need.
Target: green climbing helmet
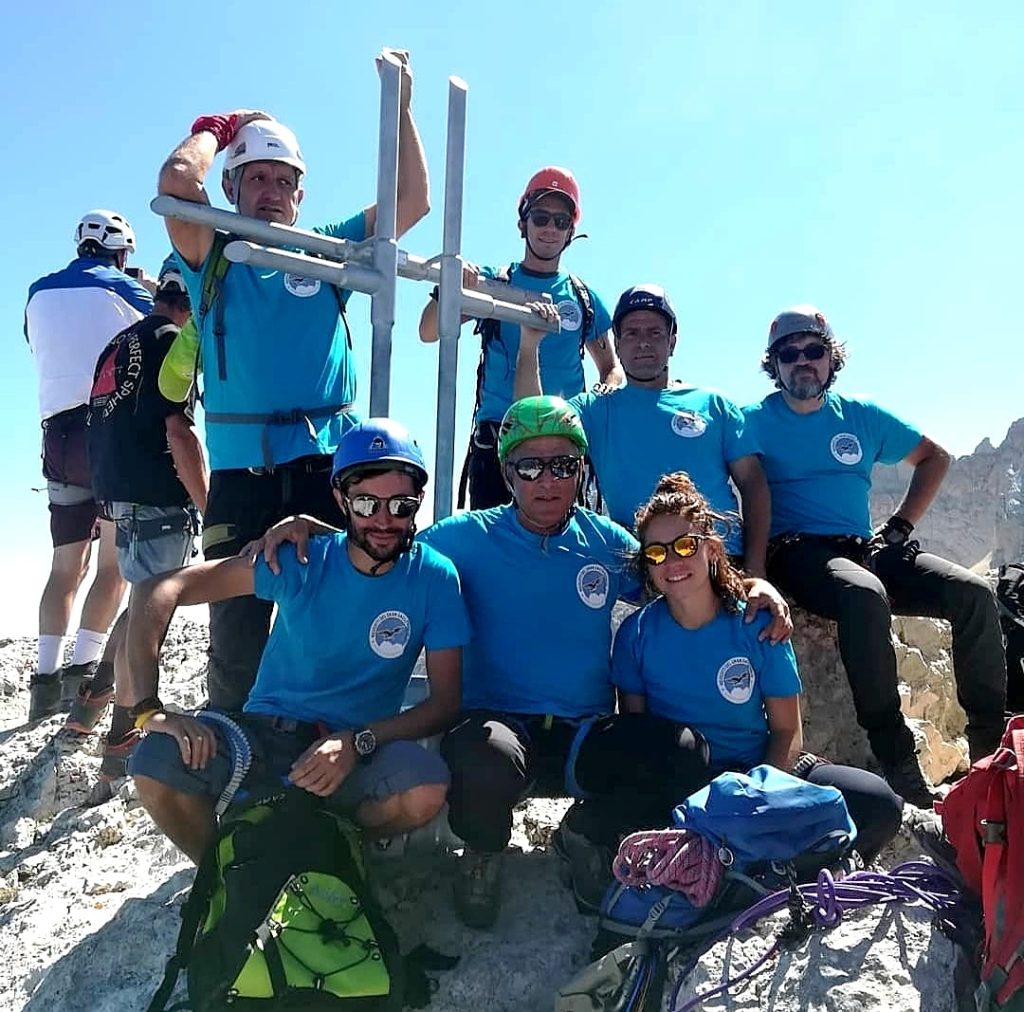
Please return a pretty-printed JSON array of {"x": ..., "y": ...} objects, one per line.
[{"x": 539, "y": 416}]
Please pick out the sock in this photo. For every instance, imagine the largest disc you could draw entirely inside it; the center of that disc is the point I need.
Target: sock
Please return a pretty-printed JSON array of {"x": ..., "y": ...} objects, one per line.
[
  {"x": 51, "y": 653},
  {"x": 88, "y": 646},
  {"x": 120, "y": 724}
]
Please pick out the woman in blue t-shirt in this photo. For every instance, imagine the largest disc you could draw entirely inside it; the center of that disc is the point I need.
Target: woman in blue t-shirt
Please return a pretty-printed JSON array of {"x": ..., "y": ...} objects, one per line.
[{"x": 691, "y": 656}]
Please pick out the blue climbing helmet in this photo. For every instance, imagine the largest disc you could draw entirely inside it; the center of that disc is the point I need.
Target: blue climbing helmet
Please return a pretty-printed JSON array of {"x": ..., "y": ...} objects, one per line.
[
  {"x": 652, "y": 297},
  {"x": 376, "y": 445}
]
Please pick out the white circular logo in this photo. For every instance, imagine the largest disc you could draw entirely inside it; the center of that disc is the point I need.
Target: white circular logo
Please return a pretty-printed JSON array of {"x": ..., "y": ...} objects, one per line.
[
  {"x": 300, "y": 286},
  {"x": 572, "y": 316},
  {"x": 845, "y": 447},
  {"x": 689, "y": 424},
  {"x": 592, "y": 586},
  {"x": 389, "y": 634},
  {"x": 736, "y": 680}
]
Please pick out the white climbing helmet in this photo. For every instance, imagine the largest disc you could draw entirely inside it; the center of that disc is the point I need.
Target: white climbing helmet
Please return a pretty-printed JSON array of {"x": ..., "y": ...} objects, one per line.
[
  {"x": 108, "y": 229},
  {"x": 264, "y": 140}
]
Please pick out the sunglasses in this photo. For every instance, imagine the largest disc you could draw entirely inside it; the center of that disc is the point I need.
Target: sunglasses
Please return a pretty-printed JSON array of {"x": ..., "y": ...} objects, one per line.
[
  {"x": 400, "y": 506},
  {"x": 812, "y": 352},
  {"x": 561, "y": 467},
  {"x": 685, "y": 546},
  {"x": 542, "y": 219}
]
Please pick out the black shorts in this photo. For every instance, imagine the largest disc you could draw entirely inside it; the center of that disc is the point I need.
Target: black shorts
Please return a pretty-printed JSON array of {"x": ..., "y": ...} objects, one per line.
[{"x": 74, "y": 513}]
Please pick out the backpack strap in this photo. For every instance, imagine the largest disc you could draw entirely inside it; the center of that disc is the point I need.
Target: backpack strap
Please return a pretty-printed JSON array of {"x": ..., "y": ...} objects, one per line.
[
  {"x": 192, "y": 914},
  {"x": 582, "y": 295},
  {"x": 488, "y": 329}
]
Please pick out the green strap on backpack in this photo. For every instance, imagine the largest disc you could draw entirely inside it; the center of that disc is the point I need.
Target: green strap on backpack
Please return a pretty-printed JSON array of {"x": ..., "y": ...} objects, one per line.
[{"x": 280, "y": 916}]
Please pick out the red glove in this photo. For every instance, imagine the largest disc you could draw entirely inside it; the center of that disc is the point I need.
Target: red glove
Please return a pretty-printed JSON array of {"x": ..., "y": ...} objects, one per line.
[{"x": 222, "y": 127}]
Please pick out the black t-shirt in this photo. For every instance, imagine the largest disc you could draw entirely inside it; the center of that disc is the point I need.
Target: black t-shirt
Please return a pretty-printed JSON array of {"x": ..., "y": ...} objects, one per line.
[{"x": 128, "y": 450}]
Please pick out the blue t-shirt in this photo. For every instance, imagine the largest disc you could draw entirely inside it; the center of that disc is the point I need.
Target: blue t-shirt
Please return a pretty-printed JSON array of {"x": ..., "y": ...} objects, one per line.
[
  {"x": 561, "y": 365},
  {"x": 818, "y": 465},
  {"x": 637, "y": 435},
  {"x": 284, "y": 350},
  {"x": 344, "y": 644},
  {"x": 715, "y": 678},
  {"x": 540, "y": 607}
]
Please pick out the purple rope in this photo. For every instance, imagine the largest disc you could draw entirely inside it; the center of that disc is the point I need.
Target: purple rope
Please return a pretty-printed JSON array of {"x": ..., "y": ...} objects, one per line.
[{"x": 910, "y": 882}]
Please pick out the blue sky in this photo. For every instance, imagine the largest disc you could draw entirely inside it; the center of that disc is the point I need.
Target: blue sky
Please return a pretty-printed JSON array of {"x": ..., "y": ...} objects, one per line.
[{"x": 864, "y": 156}]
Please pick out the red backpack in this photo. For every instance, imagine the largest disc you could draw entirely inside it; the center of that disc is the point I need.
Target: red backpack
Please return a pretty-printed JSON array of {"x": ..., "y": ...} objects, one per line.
[{"x": 983, "y": 817}]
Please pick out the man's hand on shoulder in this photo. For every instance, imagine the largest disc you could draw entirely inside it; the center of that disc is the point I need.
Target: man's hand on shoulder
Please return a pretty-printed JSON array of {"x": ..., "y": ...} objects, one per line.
[
  {"x": 762, "y": 594},
  {"x": 296, "y": 529}
]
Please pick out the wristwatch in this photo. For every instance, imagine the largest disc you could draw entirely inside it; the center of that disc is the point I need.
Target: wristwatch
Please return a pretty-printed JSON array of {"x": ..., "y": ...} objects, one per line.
[
  {"x": 365, "y": 743},
  {"x": 896, "y": 530}
]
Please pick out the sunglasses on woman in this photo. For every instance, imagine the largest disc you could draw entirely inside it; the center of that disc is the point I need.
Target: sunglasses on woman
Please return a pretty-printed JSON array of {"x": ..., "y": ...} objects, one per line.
[
  {"x": 685, "y": 546},
  {"x": 811, "y": 352},
  {"x": 400, "y": 506},
  {"x": 542, "y": 219},
  {"x": 561, "y": 467}
]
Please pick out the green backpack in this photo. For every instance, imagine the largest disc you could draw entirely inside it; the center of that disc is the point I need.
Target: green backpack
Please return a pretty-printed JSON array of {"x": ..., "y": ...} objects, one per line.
[{"x": 280, "y": 917}]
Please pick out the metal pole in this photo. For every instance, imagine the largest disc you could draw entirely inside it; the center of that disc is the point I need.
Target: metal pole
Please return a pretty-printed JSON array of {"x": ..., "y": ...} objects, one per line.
[
  {"x": 351, "y": 276},
  {"x": 267, "y": 232},
  {"x": 385, "y": 247},
  {"x": 450, "y": 299},
  {"x": 488, "y": 299}
]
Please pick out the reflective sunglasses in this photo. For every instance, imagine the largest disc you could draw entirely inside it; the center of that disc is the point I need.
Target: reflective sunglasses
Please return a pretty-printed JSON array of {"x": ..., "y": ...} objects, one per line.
[
  {"x": 542, "y": 219},
  {"x": 561, "y": 467},
  {"x": 812, "y": 352},
  {"x": 685, "y": 546},
  {"x": 401, "y": 506}
]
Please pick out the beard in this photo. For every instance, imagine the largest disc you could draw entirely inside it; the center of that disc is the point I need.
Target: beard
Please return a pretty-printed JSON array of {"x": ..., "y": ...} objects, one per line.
[
  {"x": 375, "y": 553},
  {"x": 804, "y": 386}
]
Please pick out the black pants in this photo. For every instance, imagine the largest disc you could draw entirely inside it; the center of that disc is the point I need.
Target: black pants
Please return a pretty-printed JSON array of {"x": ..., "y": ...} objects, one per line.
[
  {"x": 487, "y": 488},
  {"x": 823, "y": 578},
  {"x": 644, "y": 766},
  {"x": 630, "y": 766},
  {"x": 241, "y": 506}
]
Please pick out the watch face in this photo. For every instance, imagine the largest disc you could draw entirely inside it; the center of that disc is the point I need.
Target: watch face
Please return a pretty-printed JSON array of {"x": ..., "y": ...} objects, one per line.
[{"x": 365, "y": 743}]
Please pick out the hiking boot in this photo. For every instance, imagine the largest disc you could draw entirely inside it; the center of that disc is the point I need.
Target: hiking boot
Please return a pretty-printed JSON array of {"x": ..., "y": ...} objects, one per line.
[
  {"x": 88, "y": 708},
  {"x": 44, "y": 696},
  {"x": 587, "y": 866},
  {"x": 477, "y": 889},
  {"x": 926, "y": 828},
  {"x": 116, "y": 754},
  {"x": 72, "y": 678},
  {"x": 907, "y": 779}
]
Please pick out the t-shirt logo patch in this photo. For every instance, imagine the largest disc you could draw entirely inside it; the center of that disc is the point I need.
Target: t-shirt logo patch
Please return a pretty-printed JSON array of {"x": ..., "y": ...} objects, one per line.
[
  {"x": 845, "y": 447},
  {"x": 301, "y": 287},
  {"x": 689, "y": 424},
  {"x": 736, "y": 680},
  {"x": 570, "y": 313},
  {"x": 592, "y": 586},
  {"x": 389, "y": 634}
]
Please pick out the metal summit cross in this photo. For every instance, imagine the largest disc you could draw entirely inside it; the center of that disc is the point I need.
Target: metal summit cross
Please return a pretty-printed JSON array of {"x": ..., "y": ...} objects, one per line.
[{"x": 374, "y": 265}]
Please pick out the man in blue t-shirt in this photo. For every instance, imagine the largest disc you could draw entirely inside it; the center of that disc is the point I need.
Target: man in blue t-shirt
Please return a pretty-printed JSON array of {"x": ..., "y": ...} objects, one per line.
[
  {"x": 653, "y": 426},
  {"x": 540, "y": 578},
  {"x": 549, "y": 212},
  {"x": 324, "y": 714},
  {"x": 818, "y": 449},
  {"x": 279, "y": 380}
]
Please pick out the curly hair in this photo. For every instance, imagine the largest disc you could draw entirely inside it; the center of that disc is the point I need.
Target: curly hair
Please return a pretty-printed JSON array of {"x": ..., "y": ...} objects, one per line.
[
  {"x": 836, "y": 348},
  {"x": 677, "y": 496}
]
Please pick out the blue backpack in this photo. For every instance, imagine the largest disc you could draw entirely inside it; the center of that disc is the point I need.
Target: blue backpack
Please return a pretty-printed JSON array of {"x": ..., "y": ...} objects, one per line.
[{"x": 770, "y": 829}]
